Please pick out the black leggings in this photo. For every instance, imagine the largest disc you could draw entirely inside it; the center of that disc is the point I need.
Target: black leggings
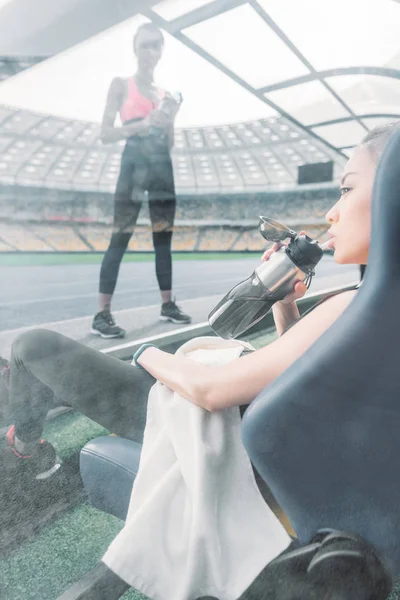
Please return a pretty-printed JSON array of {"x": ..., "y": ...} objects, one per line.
[
  {"x": 47, "y": 367},
  {"x": 143, "y": 167}
]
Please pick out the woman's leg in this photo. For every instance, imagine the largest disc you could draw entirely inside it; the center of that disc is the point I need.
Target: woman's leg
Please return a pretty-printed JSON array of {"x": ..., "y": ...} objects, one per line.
[
  {"x": 110, "y": 267},
  {"x": 125, "y": 216},
  {"x": 126, "y": 211},
  {"x": 46, "y": 364},
  {"x": 162, "y": 241},
  {"x": 162, "y": 207}
]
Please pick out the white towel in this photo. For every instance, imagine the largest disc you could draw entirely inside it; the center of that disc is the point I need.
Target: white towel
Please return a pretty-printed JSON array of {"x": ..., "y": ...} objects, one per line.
[{"x": 197, "y": 524}]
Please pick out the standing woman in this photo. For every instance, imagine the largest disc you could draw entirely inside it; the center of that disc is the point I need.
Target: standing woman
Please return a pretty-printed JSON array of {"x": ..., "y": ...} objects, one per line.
[{"x": 145, "y": 166}]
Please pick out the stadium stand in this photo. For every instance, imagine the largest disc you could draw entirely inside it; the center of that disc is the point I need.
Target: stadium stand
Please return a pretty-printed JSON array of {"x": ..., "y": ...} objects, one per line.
[
  {"x": 141, "y": 240},
  {"x": 20, "y": 237},
  {"x": 59, "y": 179},
  {"x": 96, "y": 237},
  {"x": 61, "y": 238},
  {"x": 185, "y": 239},
  {"x": 249, "y": 240},
  {"x": 46, "y": 220},
  {"x": 218, "y": 238},
  {"x": 41, "y": 150}
]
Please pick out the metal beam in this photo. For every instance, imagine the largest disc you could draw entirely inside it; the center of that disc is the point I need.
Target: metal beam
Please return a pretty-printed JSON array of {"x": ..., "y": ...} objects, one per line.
[
  {"x": 163, "y": 24},
  {"x": 364, "y": 116},
  {"x": 203, "y": 13},
  {"x": 380, "y": 71},
  {"x": 265, "y": 16}
]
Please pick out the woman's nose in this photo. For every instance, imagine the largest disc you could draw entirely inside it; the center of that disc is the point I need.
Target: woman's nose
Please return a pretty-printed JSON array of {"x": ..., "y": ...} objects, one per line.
[{"x": 332, "y": 216}]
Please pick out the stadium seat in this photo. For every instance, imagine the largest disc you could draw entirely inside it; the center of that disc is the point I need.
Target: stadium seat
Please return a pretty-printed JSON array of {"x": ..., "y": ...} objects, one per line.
[
  {"x": 325, "y": 434},
  {"x": 109, "y": 465}
]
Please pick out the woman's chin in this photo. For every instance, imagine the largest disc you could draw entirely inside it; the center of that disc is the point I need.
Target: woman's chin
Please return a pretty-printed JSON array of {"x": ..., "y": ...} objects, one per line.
[
  {"x": 342, "y": 259},
  {"x": 338, "y": 257}
]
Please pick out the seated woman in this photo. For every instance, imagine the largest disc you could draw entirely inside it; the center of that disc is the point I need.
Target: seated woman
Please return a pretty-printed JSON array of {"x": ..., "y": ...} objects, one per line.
[{"x": 46, "y": 365}]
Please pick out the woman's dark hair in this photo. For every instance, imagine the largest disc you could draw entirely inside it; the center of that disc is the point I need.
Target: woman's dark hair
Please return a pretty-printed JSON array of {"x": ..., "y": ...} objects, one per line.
[
  {"x": 376, "y": 139},
  {"x": 148, "y": 27}
]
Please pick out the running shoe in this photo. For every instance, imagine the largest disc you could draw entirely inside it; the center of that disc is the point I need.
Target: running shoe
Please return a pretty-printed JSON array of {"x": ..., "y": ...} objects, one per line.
[
  {"x": 40, "y": 465},
  {"x": 172, "y": 312},
  {"x": 104, "y": 325}
]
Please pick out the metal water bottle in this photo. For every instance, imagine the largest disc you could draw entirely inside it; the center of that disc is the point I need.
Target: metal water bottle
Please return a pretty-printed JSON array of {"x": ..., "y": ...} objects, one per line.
[
  {"x": 250, "y": 300},
  {"x": 167, "y": 106}
]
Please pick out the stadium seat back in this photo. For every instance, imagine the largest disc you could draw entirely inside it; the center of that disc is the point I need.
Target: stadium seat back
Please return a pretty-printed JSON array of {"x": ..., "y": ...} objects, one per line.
[{"x": 325, "y": 435}]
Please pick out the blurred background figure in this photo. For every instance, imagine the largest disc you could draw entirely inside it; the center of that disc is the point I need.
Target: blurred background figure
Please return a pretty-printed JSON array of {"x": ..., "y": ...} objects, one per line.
[{"x": 147, "y": 114}]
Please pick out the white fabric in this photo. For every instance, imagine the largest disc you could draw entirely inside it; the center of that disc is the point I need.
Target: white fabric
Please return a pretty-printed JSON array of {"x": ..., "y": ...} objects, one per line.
[{"x": 197, "y": 524}]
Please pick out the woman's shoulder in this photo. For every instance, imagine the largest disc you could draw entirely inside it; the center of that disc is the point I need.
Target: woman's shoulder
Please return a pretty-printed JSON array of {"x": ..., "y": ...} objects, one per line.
[
  {"x": 338, "y": 299},
  {"x": 334, "y": 303},
  {"x": 119, "y": 85}
]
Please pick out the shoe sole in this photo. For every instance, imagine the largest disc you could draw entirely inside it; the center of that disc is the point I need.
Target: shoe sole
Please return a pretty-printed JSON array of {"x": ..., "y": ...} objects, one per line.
[
  {"x": 50, "y": 472},
  {"x": 105, "y": 336},
  {"x": 172, "y": 320}
]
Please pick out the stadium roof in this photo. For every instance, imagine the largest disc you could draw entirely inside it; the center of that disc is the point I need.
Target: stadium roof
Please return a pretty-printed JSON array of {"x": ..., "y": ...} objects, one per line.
[{"x": 330, "y": 69}]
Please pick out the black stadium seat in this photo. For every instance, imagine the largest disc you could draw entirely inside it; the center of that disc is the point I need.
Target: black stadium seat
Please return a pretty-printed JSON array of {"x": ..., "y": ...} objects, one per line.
[{"x": 325, "y": 434}]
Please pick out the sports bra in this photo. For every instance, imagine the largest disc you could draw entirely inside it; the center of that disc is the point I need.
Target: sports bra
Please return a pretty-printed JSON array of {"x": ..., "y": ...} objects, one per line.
[{"x": 137, "y": 106}]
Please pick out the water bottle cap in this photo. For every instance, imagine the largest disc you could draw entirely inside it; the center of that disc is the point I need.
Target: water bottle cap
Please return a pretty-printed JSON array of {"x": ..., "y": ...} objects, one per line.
[{"x": 305, "y": 252}]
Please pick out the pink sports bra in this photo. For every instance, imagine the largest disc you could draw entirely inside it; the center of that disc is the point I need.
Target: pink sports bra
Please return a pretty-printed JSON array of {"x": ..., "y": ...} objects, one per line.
[{"x": 136, "y": 106}]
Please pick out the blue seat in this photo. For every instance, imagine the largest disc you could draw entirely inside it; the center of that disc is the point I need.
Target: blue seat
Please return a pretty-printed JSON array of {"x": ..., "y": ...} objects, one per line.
[
  {"x": 109, "y": 465},
  {"x": 325, "y": 435}
]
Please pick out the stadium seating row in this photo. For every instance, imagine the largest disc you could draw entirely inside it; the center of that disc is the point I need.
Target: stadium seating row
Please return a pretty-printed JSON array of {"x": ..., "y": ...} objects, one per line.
[
  {"x": 38, "y": 204},
  {"x": 66, "y": 238}
]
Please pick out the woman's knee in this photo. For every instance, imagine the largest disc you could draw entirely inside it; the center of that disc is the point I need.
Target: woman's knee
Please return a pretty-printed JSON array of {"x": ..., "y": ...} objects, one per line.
[
  {"x": 36, "y": 344},
  {"x": 162, "y": 240}
]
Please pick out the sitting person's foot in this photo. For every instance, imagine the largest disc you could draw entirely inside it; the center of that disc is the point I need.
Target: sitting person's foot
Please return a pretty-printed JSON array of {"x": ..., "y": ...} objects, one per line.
[
  {"x": 4, "y": 387},
  {"x": 172, "y": 312},
  {"x": 37, "y": 461},
  {"x": 104, "y": 325}
]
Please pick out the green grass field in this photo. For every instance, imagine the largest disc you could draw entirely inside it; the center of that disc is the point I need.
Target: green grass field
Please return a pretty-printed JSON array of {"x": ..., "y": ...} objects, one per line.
[{"x": 87, "y": 258}]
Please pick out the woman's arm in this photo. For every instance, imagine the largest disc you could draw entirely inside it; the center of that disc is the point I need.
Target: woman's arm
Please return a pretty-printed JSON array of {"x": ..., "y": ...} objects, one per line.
[
  {"x": 171, "y": 136},
  {"x": 239, "y": 382},
  {"x": 284, "y": 316},
  {"x": 109, "y": 133}
]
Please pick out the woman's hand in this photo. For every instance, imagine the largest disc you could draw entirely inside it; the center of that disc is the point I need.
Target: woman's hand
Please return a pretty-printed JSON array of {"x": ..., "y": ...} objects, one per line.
[
  {"x": 285, "y": 311},
  {"x": 158, "y": 118},
  {"x": 155, "y": 119},
  {"x": 300, "y": 287}
]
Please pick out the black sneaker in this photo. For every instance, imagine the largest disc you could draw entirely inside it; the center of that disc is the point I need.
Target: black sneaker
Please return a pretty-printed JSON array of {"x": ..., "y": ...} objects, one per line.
[
  {"x": 41, "y": 464},
  {"x": 172, "y": 312},
  {"x": 4, "y": 387},
  {"x": 105, "y": 326}
]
